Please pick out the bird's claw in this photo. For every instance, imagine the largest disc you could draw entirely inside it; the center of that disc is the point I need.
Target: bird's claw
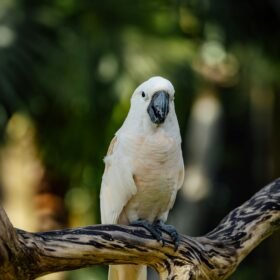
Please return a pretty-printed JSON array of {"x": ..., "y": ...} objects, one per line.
[
  {"x": 170, "y": 230},
  {"x": 154, "y": 230}
]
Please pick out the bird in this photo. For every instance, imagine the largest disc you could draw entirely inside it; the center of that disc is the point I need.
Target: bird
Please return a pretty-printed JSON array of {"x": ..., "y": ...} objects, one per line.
[{"x": 144, "y": 167}]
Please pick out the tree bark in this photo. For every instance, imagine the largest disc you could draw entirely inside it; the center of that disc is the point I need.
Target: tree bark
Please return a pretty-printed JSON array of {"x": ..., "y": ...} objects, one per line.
[{"x": 216, "y": 255}]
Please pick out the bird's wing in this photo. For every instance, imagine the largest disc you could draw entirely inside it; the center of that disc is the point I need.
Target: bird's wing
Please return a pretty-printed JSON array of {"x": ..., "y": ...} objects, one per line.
[
  {"x": 117, "y": 185},
  {"x": 179, "y": 181},
  {"x": 181, "y": 174}
]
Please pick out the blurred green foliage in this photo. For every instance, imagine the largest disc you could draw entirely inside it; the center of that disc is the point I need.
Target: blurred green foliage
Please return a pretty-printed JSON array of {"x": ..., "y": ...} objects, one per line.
[{"x": 72, "y": 65}]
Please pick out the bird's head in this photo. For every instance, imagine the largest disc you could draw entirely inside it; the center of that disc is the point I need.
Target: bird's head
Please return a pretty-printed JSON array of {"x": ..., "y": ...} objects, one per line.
[{"x": 153, "y": 99}]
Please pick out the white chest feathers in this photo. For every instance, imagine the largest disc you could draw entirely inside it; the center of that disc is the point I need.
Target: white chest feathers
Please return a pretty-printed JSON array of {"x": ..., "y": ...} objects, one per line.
[{"x": 157, "y": 167}]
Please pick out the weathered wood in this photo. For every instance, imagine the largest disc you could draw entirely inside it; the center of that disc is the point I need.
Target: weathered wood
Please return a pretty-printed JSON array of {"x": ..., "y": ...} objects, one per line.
[{"x": 216, "y": 255}]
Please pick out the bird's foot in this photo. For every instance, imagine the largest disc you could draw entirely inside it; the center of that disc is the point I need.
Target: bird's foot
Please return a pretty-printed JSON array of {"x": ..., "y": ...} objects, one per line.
[
  {"x": 154, "y": 230},
  {"x": 170, "y": 230}
]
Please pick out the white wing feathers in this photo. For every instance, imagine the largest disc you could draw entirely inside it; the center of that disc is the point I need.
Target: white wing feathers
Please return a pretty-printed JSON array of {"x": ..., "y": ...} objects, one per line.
[{"x": 118, "y": 185}]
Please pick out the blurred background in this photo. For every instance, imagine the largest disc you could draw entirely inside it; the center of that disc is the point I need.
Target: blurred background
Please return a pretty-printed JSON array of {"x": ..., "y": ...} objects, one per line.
[{"x": 67, "y": 71}]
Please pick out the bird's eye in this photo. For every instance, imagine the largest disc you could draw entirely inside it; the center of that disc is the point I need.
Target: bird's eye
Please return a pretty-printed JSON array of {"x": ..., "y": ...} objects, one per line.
[{"x": 143, "y": 94}]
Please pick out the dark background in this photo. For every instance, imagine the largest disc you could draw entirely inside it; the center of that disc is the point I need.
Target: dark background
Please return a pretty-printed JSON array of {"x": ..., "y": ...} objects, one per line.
[{"x": 67, "y": 71}]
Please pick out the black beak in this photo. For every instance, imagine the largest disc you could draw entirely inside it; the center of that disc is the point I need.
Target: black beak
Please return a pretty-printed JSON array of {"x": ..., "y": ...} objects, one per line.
[{"x": 159, "y": 107}]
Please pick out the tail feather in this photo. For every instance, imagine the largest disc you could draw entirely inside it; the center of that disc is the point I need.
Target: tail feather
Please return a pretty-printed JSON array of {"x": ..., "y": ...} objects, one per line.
[{"x": 127, "y": 272}]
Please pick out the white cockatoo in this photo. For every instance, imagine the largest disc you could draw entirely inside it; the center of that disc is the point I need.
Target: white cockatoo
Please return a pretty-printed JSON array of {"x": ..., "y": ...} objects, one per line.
[{"x": 144, "y": 165}]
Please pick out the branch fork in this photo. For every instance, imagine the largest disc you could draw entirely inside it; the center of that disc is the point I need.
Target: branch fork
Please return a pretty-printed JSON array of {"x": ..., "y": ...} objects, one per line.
[{"x": 25, "y": 256}]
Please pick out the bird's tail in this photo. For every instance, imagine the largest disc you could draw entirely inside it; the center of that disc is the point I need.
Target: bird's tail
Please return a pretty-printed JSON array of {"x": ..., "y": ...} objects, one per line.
[{"x": 128, "y": 271}]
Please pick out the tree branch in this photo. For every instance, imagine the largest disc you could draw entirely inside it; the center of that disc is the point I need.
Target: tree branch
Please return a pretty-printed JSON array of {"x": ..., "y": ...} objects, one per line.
[{"x": 216, "y": 255}]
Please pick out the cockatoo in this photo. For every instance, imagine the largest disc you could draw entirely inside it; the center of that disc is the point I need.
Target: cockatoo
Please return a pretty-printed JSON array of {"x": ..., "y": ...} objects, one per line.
[{"x": 144, "y": 166}]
